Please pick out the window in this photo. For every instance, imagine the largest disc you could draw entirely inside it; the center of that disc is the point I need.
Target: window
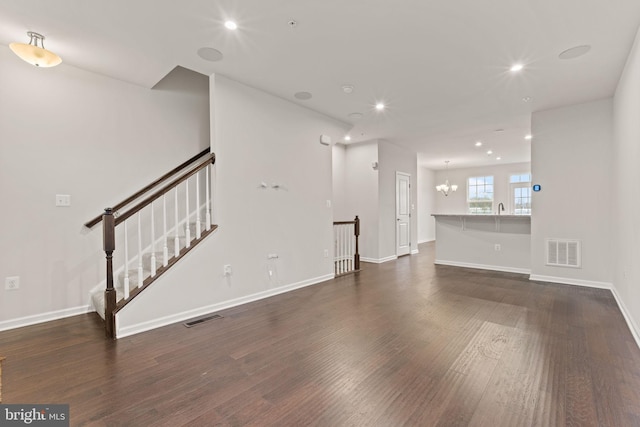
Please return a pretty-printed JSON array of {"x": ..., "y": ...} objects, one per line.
[
  {"x": 480, "y": 194},
  {"x": 520, "y": 194},
  {"x": 525, "y": 177}
]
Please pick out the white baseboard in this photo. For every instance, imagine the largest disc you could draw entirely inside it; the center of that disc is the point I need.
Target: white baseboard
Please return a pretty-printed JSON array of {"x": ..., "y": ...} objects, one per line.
[
  {"x": 426, "y": 241},
  {"x": 483, "y": 266},
  {"x": 415, "y": 252},
  {"x": 379, "y": 260},
  {"x": 180, "y": 317},
  {"x": 569, "y": 281},
  {"x": 633, "y": 326},
  {"x": 44, "y": 317}
]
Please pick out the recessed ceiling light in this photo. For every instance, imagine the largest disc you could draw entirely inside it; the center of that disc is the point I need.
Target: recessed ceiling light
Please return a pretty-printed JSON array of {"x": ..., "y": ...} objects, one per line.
[
  {"x": 347, "y": 138},
  {"x": 355, "y": 116},
  {"x": 302, "y": 95},
  {"x": 379, "y": 106},
  {"x": 574, "y": 52},
  {"x": 347, "y": 88},
  {"x": 528, "y": 137},
  {"x": 527, "y": 98},
  {"x": 292, "y": 23},
  {"x": 231, "y": 25},
  {"x": 498, "y": 158},
  {"x": 479, "y": 144},
  {"x": 516, "y": 67},
  {"x": 489, "y": 153},
  {"x": 210, "y": 54}
]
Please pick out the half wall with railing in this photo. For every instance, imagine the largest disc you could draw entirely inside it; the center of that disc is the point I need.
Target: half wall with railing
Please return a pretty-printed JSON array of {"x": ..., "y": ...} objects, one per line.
[{"x": 346, "y": 251}]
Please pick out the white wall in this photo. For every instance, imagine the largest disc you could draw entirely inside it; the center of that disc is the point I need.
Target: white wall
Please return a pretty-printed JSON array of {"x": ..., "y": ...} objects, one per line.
[
  {"x": 362, "y": 194},
  {"x": 67, "y": 131},
  {"x": 571, "y": 159},
  {"x": 457, "y": 202},
  {"x": 257, "y": 138},
  {"x": 626, "y": 192},
  {"x": 426, "y": 205},
  {"x": 338, "y": 167},
  {"x": 392, "y": 159}
]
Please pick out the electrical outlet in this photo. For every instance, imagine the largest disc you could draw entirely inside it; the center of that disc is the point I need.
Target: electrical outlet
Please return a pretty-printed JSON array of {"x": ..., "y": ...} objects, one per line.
[
  {"x": 326, "y": 253},
  {"x": 12, "y": 283},
  {"x": 497, "y": 247}
]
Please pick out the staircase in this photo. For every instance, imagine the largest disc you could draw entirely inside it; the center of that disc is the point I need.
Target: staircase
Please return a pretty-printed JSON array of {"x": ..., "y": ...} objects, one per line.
[{"x": 147, "y": 233}]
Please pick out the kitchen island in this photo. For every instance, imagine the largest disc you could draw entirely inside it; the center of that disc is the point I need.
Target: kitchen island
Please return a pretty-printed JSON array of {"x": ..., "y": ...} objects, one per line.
[{"x": 489, "y": 242}]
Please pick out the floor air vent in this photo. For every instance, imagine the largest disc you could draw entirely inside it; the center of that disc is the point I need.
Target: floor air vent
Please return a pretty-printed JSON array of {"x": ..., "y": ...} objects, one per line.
[
  {"x": 199, "y": 320},
  {"x": 564, "y": 253}
]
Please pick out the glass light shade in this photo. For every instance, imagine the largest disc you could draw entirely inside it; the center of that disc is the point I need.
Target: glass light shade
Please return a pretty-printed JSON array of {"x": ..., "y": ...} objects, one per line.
[
  {"x": 454, "y": 187},
  {"x": 34, "y": 52}
]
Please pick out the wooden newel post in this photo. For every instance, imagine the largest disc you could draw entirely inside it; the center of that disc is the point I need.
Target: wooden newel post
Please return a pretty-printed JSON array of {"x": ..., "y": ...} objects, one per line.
[
  {"x": 356, "y": 232},
  {"x": 109, "y": 242}
]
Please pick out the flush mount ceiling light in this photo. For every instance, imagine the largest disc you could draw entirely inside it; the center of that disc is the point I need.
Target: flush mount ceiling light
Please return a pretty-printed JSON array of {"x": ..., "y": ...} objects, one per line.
[
  {"x": 498, "y": 158},
  {"x": 489, "y": 153},
  {"x": 231, "y": 25},
  {"x": 347, "y": 138},
  {"x": 574, "y": 52},
  {"x": 528, "y": 137},
  {"x": 446, "y": 188},
  {"x": 34, "y": 52},
  {"x": 380, "y": 106},
  {"x": 478, "y": 143},
  {"x": 516, "y": 68}
]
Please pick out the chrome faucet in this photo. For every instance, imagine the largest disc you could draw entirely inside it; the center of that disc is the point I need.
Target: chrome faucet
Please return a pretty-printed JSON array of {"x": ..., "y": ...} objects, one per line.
[{"x": 500, "y": 207}]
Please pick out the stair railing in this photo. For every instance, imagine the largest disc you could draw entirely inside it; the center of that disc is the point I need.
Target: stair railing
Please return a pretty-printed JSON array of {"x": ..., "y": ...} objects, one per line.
[
  {"x": 181, "y": 207},
  {"x": 346, "y": 250}
]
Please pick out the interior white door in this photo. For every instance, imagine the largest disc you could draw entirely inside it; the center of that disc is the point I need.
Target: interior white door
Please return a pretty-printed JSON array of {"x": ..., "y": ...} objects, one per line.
[{"x": 403, "y": 214}]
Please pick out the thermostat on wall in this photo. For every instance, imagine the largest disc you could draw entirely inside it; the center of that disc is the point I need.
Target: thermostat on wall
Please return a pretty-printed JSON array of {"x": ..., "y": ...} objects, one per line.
[{"x": 537, "y": 187}]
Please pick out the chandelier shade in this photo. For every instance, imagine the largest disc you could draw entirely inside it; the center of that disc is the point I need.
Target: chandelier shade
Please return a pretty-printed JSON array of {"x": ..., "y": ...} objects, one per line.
[{"x": 34, "y": 52}]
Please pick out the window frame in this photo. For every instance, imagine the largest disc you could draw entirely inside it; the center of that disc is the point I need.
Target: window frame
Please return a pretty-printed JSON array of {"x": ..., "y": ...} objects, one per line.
[
  {"x": 513, "y": 185},
  {"x": 473, "y": 211}
]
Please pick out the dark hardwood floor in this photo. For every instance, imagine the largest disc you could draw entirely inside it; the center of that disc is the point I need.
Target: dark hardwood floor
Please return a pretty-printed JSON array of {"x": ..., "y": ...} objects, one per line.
[{"x": 402, "y": 343}]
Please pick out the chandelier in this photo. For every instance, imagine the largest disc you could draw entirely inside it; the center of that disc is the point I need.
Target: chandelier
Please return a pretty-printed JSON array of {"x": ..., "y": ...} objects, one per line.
[
  {"x": 446, "y": 188},
  {"x": 34, "y": 52}
]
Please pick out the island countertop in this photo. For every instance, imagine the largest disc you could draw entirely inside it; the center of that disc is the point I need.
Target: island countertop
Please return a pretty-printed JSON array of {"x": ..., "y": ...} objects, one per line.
[{"x": 507, "y": 216}]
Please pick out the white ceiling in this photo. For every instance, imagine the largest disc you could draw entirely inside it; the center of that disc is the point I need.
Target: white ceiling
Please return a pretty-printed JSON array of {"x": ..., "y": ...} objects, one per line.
[{"x": 441, "y": 67}]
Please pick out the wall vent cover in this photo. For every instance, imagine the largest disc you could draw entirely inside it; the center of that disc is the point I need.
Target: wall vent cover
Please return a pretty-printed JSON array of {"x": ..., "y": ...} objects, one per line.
[{"x": 564, "y": 253}]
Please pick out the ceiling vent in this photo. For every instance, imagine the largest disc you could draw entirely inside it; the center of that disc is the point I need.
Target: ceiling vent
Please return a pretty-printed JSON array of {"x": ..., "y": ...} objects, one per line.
[{"x": 564, "y": 253}]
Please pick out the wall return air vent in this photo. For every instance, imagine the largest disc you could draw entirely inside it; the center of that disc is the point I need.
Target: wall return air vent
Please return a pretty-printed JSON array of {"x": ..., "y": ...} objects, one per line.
[{"x": 564, "y": 253}]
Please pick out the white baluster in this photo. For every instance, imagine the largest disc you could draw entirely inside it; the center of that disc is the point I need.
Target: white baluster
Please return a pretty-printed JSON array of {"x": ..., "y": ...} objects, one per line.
[
  {"x": 126, "y": 262},
  {"x": 335, "y": 250},
  {"x": 208, "y": 207},
  {"x": 198, "y": 205},
  {"x": 342, "y": 249},
  {"x": 187, "y": 228},
  {"x": 176, "y": 241},
  {"x": 165, "y": 249},
  {"x": 345, "y": 250},
  {"x": 349, "y": 250},
  {"x": 140, "y": 273},
  {"x": 153, "y": 241}
]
